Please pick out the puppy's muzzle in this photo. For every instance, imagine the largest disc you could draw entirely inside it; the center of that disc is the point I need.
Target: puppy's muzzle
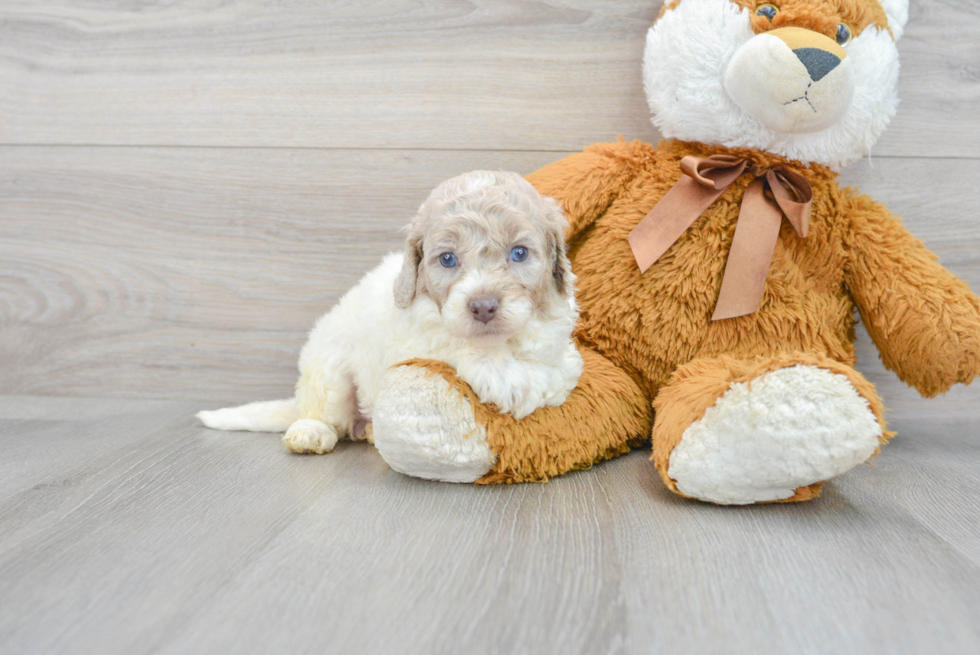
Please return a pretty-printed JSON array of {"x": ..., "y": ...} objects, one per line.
[{"x": 484, "y": 309}]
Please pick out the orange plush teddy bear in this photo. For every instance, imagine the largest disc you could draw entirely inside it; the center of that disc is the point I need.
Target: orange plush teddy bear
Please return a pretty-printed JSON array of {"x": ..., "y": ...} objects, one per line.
[{"x": 718, "y": 274}]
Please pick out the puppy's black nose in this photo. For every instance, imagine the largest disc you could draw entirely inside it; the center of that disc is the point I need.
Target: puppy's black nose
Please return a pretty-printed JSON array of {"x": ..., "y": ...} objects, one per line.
[
  {"x": 484, "y": 309},
  {"x": 818, "y": 62}
]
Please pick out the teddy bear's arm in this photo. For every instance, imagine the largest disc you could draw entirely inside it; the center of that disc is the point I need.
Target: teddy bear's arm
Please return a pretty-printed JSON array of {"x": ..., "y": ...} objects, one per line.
[
  {"x": 924, "y": 320},
  {"x": 606, "y": 414},
  {"x": 587, "y": 182},
  {"x": 429, "y": 423}
]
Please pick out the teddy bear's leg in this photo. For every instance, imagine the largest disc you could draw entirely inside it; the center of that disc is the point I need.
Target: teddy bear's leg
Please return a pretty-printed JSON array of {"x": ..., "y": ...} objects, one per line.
[
  {"x": 733, "y": 431},
  {"x": 428, "y": 423}
]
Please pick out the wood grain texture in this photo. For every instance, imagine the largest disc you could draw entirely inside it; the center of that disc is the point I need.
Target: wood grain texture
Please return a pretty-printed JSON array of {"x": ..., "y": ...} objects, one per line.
[
  {"x": 483, "y": 74},
  {"x": 189, "y": 273},
  {"x": 126, "y": 528},
  {"x": 195, "y": 273},
  {"x": 299, "y": 137}
]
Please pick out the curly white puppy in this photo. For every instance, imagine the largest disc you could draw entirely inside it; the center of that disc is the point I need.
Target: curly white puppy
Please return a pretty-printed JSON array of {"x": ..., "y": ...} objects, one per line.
[{"x": 484, "y": 285}]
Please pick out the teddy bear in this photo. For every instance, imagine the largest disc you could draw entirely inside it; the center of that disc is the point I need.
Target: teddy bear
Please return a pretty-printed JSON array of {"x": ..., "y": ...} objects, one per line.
[{"x": 718, "y": 274}]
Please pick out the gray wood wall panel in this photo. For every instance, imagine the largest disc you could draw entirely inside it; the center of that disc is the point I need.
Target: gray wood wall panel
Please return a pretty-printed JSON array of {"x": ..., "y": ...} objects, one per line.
[
  {"x": 541, "y": 75},
  {"x": 187, "y": 272},
  {"x": 195, "y": 273}
]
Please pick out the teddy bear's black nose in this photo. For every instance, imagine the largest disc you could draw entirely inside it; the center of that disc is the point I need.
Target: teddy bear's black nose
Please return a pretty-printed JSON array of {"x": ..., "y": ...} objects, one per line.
[{"x": 818, "y": 62}]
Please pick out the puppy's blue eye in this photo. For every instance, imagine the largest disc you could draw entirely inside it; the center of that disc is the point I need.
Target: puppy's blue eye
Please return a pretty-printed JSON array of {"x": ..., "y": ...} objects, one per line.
[
  {"x": 518, "y": 254},
  {"x": 447, "y": 259}
]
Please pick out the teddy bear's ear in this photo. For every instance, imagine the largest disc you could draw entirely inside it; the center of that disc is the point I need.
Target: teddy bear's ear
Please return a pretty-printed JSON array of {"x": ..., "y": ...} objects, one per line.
[{"x": 898, "y": 15}]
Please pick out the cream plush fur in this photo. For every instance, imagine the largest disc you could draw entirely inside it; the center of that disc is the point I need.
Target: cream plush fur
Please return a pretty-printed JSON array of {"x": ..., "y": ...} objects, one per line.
[
  {"x": 519, "y": 357},
  {"x": 782, "y": 95},
  {"x": 763, "y": 440},
  {"x": 690, "y": 49},
  {"x": 444, "y": 440}
]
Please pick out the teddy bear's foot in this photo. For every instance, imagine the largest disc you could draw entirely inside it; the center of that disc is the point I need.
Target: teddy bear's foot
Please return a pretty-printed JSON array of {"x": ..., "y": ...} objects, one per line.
[
  {"x": 424, "y": 427},
  {"x": 763, "y": 430}
]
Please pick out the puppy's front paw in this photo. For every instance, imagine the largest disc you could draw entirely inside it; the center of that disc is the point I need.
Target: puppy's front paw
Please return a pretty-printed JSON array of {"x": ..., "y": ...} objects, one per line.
[
  {"x": 525, "y": 405},
  {"x": 308, "y": 436}
]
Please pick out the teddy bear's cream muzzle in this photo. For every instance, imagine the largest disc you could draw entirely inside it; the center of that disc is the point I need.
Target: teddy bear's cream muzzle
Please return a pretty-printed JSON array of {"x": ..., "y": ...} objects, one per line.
[{"x": 791, "y": 80}]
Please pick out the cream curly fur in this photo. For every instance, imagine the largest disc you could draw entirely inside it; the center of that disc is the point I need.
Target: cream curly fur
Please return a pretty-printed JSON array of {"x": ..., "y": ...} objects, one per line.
[{"x": 414, "y": 306}]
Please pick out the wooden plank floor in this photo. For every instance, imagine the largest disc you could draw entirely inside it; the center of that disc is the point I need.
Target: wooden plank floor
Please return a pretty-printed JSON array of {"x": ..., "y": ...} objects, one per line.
[
  {"x": 127, "y": 528},
  {"x": 185, "y": 186}
]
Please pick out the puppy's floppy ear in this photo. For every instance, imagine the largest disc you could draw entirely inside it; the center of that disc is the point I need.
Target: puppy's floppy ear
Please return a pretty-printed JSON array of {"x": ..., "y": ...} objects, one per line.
[
  {"x": 561, "y": 267},
  {"x": 407, "y": 281}
]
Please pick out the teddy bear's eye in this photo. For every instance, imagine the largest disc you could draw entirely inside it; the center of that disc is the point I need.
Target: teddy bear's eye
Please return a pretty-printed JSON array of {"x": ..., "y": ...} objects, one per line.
[
  {"x": 767, "y": 10},
  {"x": 843, "y": 34}
]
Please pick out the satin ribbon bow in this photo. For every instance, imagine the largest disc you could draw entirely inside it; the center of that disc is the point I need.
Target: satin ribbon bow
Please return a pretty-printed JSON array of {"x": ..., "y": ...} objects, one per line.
[{"x": 759, "y": 218}]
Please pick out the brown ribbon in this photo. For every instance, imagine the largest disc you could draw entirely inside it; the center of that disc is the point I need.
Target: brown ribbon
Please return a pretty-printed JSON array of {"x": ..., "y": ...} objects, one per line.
[{"x": 756, "y": 233}]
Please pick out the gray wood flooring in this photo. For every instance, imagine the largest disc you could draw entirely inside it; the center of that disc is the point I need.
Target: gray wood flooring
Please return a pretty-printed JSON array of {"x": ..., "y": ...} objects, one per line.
[
  {"x": 127, "y": 528},
  {"x": 185, "y": 186}
]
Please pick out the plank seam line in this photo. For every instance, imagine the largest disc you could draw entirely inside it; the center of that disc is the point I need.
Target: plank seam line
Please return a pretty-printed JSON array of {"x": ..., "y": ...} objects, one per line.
[{"x": 390, "y": 149}]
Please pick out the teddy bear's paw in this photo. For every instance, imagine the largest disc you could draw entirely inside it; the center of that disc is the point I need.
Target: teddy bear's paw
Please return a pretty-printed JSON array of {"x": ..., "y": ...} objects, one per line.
[
  {"x": 425, "y": 428},
  {"x": 765, "y": 438},
  {"x": 310, "y": 437}
]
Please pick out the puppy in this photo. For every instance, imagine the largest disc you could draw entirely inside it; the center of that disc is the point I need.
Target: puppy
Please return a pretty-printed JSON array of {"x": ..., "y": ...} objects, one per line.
[{"x": 484, "y": 285}]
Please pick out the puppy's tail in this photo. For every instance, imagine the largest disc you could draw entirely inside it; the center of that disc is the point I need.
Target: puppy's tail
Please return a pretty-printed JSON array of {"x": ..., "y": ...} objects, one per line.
[{"x": 265, "y": 416}]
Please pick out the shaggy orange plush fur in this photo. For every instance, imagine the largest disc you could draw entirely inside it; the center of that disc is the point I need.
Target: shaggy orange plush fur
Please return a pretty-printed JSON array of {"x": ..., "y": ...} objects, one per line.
[
  {"x": 925, "y": 321},
  {"x": 605, "y": 416},
  {"x": 649, "y": 337},
  {"x": 821, "y": 16}
]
